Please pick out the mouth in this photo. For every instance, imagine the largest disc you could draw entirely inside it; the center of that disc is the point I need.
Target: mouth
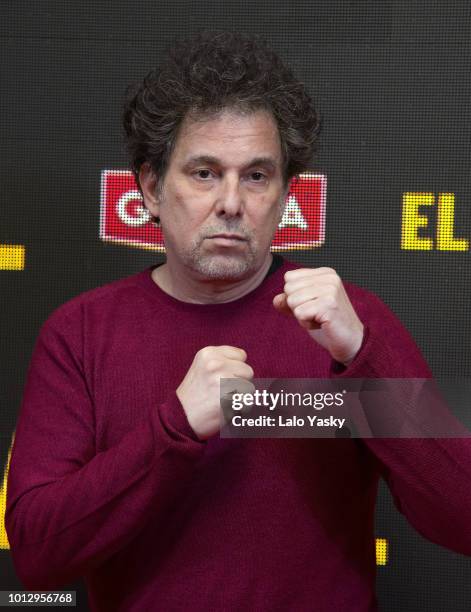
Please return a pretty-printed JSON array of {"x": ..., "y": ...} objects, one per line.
[
  {"x": 227, "y": 239},
  {"x": 228, "y": 236}
]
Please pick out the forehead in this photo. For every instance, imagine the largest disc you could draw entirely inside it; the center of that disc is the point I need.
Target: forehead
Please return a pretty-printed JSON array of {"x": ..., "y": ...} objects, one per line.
[{"x": 231, "y": 137}]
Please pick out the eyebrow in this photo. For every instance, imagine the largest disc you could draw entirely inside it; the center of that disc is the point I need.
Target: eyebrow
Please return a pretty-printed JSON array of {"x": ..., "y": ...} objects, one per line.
[{"x": 268, "y": 162}]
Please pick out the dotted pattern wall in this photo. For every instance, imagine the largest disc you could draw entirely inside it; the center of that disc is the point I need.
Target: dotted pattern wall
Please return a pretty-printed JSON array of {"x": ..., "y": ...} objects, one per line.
[{"x": 391, "y": 213}]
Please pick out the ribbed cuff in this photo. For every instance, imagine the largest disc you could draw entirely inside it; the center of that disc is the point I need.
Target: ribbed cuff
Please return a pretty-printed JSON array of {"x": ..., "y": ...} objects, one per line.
[
  {"x": 174, "y": 418},
  {"x": 362, "y": 366}
]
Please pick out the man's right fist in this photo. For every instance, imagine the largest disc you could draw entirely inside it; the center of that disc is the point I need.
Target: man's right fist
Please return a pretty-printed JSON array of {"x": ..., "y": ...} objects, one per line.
[{"x": 199, "y": 391}]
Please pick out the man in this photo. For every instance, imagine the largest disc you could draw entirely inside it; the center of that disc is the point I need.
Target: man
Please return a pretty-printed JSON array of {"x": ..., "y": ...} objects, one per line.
[{"x": 118, "y": 473}]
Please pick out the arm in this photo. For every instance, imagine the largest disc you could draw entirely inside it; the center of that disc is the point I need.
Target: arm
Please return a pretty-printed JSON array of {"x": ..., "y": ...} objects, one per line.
[
  {"x": 69, "y": 508},
  {"x": 429, "y": 478}
]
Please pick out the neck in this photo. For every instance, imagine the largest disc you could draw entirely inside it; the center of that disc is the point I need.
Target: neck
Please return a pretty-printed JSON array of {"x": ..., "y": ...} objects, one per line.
[{"x": 186, "y": 287}]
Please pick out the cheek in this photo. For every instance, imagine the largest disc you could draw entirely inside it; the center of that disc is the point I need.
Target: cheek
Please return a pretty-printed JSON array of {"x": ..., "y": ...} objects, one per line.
[
  {"x": 185, "y": 216},
  {"x": 271, "y": 213},
  {"x": 177, "y": 208}
]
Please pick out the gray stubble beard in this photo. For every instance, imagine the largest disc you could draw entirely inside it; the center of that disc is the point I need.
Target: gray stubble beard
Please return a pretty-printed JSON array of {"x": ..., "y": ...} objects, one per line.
[{"x": 219, "y": 266}]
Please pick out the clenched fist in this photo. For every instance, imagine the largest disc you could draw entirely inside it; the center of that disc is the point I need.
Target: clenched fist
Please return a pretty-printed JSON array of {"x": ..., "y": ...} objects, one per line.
[
  {"x": 199, "y": 391},
  {"x": 317, "y": 298}
]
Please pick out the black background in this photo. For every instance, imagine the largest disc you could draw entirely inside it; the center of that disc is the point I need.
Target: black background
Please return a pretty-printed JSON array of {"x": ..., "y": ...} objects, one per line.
[{"x": 392, "y": 81}]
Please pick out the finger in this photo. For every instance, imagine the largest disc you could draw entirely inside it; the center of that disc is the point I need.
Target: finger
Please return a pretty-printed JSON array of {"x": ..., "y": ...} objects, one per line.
[
  {"x": 307, "y": 272},
  {"x": 304, "y": 294},
  {"x": 235, "y": 376},
  {"x": 242, "y": 385},
  {"x": 232, "y": 352},
  {"x": 236, "y": 384},
  {"x": 309, "y": 323},
  {"x": 280, "y": 303},
  {"x": 237, "y": 369},
  {"x": 309, "y": 281},
  {"x": 317, "y": 276},
  {"x": 317, "y": 311}
]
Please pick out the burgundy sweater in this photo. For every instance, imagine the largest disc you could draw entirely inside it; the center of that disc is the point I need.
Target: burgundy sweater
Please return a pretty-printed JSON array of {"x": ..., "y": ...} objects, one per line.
[{"x": 108, "y": 481}]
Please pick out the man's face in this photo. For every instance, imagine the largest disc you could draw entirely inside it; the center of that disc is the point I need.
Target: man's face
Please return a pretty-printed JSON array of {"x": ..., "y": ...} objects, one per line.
[{"x": 224, "y": 177}]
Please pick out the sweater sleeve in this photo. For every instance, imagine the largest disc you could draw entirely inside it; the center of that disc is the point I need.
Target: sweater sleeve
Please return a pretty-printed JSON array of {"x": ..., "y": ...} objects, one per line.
[
  {"x": 429, "y": 478},
  {"x": 69, "y": 508}
]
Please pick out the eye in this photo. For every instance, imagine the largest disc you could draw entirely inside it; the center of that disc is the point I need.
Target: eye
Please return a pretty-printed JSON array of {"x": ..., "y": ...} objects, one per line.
[
  {"x": 203, "y": 174},
  {"x": 258, "y": 177}
]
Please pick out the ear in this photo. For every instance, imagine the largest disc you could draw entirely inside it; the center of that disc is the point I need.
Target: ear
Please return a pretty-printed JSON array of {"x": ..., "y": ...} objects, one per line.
[{"x": 148, "y": 181}]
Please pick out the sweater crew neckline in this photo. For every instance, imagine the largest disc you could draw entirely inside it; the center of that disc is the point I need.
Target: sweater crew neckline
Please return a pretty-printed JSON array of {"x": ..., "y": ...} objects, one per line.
[{"x": 271, "y": 280}]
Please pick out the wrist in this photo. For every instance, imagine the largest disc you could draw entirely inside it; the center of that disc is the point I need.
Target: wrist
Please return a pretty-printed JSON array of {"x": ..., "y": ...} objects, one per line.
[{"x": 357, "y": 346}]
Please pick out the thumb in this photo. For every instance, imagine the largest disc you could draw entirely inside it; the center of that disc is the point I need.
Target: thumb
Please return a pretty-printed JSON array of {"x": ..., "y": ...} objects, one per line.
[{"x": 281, "y": 305}]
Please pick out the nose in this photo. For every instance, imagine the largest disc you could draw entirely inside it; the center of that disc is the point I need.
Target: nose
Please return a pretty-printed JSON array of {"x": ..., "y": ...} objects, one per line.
[{"x": 230, "y": 198}]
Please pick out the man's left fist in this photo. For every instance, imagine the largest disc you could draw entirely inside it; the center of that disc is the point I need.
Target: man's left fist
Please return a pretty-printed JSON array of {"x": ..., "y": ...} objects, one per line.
[{"x": 317, "y": 298}]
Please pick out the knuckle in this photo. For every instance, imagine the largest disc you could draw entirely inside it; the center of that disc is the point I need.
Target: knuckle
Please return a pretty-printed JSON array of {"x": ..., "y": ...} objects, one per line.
[
  {"x": 250, "y": 372},
  {"x": 331, "y": 301},
  {"x": 213, "y": 365},
  {"x": 206, "y": 351},
  {"x": 331, "y": 289},
  {"x": 289, "y": 287}
]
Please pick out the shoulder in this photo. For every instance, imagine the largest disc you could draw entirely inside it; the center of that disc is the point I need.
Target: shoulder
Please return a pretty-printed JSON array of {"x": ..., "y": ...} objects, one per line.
[{"x": 98, "y": 299}]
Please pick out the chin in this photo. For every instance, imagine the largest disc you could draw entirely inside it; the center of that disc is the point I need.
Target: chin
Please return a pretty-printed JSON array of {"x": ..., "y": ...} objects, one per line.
[{"x": 219, "y": 267}]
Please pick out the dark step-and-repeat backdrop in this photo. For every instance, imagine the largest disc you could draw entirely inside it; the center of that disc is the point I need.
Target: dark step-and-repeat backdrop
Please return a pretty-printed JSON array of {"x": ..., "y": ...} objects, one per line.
[{"x": 387, "y": 202}]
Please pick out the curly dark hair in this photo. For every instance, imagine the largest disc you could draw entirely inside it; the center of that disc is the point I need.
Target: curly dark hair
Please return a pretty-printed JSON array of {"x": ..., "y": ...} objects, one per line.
[{"x": 205, "y": 74}]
